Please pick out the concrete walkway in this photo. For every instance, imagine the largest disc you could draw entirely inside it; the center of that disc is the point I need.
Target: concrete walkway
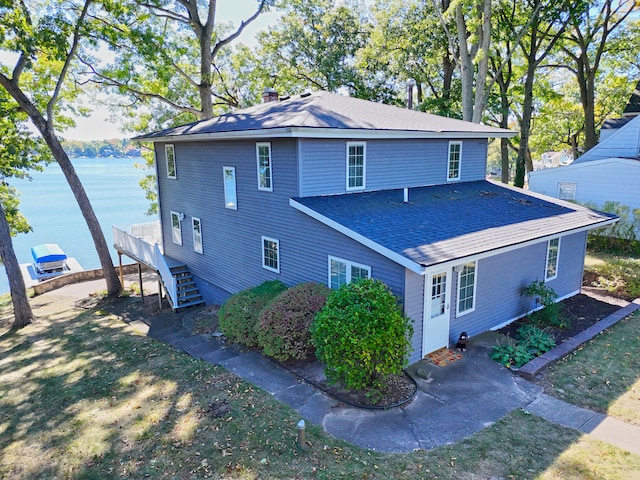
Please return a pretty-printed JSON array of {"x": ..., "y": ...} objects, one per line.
[{"x": 452, "y": 402}]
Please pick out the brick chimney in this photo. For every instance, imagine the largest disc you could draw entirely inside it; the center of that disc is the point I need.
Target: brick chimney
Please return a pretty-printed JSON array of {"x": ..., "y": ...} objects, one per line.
[{"x": 269, "y": 95}]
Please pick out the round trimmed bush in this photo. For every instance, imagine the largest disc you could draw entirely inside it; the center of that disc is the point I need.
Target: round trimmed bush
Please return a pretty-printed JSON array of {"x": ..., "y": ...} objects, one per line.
[
  {"x": 361, "y": 335},
  {"x": 283, "y": 331},
  {"x": 240, "y": 314}
]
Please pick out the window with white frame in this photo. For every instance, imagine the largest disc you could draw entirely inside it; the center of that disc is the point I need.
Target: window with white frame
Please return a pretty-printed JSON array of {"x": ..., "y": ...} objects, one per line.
[
  {"x": 553, "y": 254},
  {"x": 356, "y": 165},
  {"x": 466, "y": 288},
  {"x": 170, "y": 157},
  {"x": 271, "y": 254},
  {"x": 342, "y": 272},
  {"x": 263, "y": 153},
  {"x": 566, "y": 191},
  {"x": 455, "y": 155},
  {"x": 176, "y": 227},
  {"x": 230, "y": 196},
  {"x": 197, "y": 234}
]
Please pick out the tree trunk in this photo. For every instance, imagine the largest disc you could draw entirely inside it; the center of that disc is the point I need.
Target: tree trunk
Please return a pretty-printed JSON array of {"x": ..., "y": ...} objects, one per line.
[
  {"x": 525, "y": 126},
  {"x": 46, "y": 130},
  {"x": 22, "y": 315}
]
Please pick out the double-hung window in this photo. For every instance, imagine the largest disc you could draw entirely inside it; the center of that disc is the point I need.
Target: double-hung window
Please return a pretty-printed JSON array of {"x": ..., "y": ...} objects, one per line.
[
  {"x": 176, "y": 227},
  {"x": 271, "y": 254},
  {"x": 263, "y": 153},
  {"x": 455, "y": 157},
  {"x": 342, "y": 272},
  {"x": 197, "y": 234},
  {"x": 356, "y": 165},
  {"x": 230, "y": 196},
  {"x": 553, "y": 253},
  {"x": 170, "y": 157},
  {"x": 466, "y": 288}
]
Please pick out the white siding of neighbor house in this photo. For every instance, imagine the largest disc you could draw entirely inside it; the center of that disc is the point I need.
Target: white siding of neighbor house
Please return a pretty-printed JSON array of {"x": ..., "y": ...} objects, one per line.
[
  {"x": 599, "y": 181},
  {"x": 389, "y": 164}
]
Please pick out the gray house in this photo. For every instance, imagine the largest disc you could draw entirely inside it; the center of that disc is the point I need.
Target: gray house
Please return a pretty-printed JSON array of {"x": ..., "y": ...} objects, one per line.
[{"x": 326, "y": 188}]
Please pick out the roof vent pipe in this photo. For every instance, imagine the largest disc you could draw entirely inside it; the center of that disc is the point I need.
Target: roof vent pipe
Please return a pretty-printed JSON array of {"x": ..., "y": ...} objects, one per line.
[
  {"x": 410, "y": 84},
  {"x": 406, "y": 195},
  {"x": 269, "y": 95}
]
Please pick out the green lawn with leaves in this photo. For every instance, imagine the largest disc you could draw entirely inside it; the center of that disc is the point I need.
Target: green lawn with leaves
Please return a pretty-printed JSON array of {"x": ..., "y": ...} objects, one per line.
[{"x": 83, "y": 395}]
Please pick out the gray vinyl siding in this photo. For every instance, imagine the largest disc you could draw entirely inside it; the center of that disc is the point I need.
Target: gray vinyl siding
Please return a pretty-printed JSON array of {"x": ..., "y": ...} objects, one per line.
[
  {"x": 232, "y": 239},
  {"x": 389, "y": 164},
  {"x": 414, "y": 309},
  {"x": 501, "y": 279}
]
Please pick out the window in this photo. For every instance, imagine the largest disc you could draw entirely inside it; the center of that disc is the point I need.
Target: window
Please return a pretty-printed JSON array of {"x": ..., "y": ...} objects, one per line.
[
  {"x": 170, "y": 156},
  {"x": 553, "y": 252},
  {"x": 176, "y": 227},
  {"x": 342, "y": 272},
  {"x": 455, "y": 154},
  {"x": 566, "y": 191},
  {"x": 356, "y": 155},
  {"x": 197, "y": 235},
  {"x": 466, "y": 288},
  {"x": 263, "y": 152},
  {"x": 230, "y": 200},
  {"x": 271, "y": 254}
]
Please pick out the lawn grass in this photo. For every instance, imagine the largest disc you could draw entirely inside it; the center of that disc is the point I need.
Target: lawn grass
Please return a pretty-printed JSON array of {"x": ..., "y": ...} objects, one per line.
[
  {"x": 604, "y": 374},
  {"x": 83, "y": 396}
]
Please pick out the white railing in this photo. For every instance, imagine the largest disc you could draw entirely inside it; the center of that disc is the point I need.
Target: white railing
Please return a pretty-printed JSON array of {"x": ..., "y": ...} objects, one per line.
[
  {"x": 140, "y": 242},
  {"x": 170, "y": 283}
]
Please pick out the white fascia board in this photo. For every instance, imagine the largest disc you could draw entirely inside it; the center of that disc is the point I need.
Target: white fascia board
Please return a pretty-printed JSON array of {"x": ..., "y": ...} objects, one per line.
[
  {"x": 305, "y": 132},
  {"x": 509, "y": 248},
  {"x": 367, "y": 242}
]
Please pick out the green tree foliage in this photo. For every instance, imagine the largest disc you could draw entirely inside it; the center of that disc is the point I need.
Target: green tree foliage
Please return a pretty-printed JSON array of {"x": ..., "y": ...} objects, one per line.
[
  {"x": 240, "y": 314},
  {"x": 20, "y": 152},
  {"x": 361, "y": 335},
  {"x": 315, "y": 45},
  {"x": 45, "y": 41},
  {"x": 284, "y": 328}
]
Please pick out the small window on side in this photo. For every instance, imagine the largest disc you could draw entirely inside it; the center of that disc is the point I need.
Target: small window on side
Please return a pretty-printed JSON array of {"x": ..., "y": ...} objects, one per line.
[
  {"x": 197, "y": 234},
  {"x": 170, "y": 156},
  {"x": 455, "y": 157},
  {"x": 230, "y": 196},
  {"x": 263, "y": 153},
  {"x": 176, "y": 227}
]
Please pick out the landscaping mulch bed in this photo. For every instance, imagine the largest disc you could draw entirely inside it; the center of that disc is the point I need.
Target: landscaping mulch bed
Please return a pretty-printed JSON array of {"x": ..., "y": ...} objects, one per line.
[{"x": 581, "y": 310}]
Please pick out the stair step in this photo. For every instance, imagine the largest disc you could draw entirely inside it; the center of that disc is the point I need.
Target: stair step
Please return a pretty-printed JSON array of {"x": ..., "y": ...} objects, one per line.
[{"x": 192, "y": 304}]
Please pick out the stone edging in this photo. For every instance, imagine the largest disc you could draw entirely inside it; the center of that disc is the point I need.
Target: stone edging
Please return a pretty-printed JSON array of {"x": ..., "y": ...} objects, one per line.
[{"x": 534, "y": 367}]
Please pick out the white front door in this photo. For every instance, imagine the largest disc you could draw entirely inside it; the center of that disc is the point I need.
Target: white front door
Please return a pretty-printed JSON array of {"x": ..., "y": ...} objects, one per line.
[{"x": 436, "y": 312}]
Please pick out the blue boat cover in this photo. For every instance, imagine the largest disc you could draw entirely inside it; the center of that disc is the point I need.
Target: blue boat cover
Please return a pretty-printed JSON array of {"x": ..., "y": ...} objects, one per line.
[{"x": 47, "y": 252}]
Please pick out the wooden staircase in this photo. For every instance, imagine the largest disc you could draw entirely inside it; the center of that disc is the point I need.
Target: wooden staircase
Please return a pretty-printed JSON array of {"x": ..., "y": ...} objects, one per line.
[{"x": 187, "y": 291}]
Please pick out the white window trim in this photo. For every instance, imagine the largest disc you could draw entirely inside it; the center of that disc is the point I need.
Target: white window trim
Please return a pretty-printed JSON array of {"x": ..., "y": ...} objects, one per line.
[
  {"x": 168, "y": 147},
  {"x": 349, "y": 264},
  {"x": 277, "y": 242},
  {"x": 235, "y": 185},
  {"x": 475, "y": 285},
  {"x": 546, "y": 263},
  {"x": 258, "y": 145},
  {"x": 364, "y": 165},
  {"x": 455, "y": 179},
  {"x": 180, "y": 217},
  {"x": 193, "y": 229}
]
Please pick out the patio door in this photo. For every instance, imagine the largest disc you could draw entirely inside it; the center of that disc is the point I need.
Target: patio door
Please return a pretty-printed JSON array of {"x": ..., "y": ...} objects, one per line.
[{"x": 437, "y": 311}]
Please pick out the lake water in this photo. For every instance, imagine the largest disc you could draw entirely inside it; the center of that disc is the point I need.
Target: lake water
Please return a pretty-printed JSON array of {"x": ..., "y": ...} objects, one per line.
[{"x": 112, "y": 185}]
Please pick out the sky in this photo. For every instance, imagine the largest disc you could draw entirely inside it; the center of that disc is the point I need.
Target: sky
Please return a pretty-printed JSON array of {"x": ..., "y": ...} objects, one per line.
[{"x": 100, "y": 125}]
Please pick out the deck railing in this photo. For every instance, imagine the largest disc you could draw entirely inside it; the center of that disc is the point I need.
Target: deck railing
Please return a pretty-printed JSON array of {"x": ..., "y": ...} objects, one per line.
[{"x": 141, "y": 242}]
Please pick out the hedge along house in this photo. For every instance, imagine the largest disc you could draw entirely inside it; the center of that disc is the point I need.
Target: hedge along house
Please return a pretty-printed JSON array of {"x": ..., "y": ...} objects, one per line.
[{"x": 326, "y": 188}]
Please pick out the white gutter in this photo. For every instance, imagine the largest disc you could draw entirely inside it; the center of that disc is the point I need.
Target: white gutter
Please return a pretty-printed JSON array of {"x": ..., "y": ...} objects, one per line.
[{"x": 339, "y": 133}]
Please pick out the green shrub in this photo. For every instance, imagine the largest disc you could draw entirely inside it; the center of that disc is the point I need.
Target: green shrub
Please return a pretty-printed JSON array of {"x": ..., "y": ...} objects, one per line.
[
  {"x": 551, "y": 313},
  {"x": 283, "y": 331},
  {"x": 511, "y": 354},
  {"x": 620, "y": 276},
  {"x": 536, "y": 340},
  {"x": 240, "y": 314},
  {"x": 361, "y": 335},
  {"x": 621, "y": 237}
]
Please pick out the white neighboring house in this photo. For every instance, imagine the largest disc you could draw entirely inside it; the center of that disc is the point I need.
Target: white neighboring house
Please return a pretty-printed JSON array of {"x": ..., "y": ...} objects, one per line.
[{"x": 610, "y": 171}]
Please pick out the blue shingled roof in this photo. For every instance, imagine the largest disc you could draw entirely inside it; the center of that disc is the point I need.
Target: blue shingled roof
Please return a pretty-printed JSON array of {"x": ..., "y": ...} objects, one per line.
[{"x": 445, "y": 222}]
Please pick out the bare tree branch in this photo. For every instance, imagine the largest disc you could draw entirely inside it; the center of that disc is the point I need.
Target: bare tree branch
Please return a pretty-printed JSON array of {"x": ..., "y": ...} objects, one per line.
[{"x": 237, "y": 33}]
